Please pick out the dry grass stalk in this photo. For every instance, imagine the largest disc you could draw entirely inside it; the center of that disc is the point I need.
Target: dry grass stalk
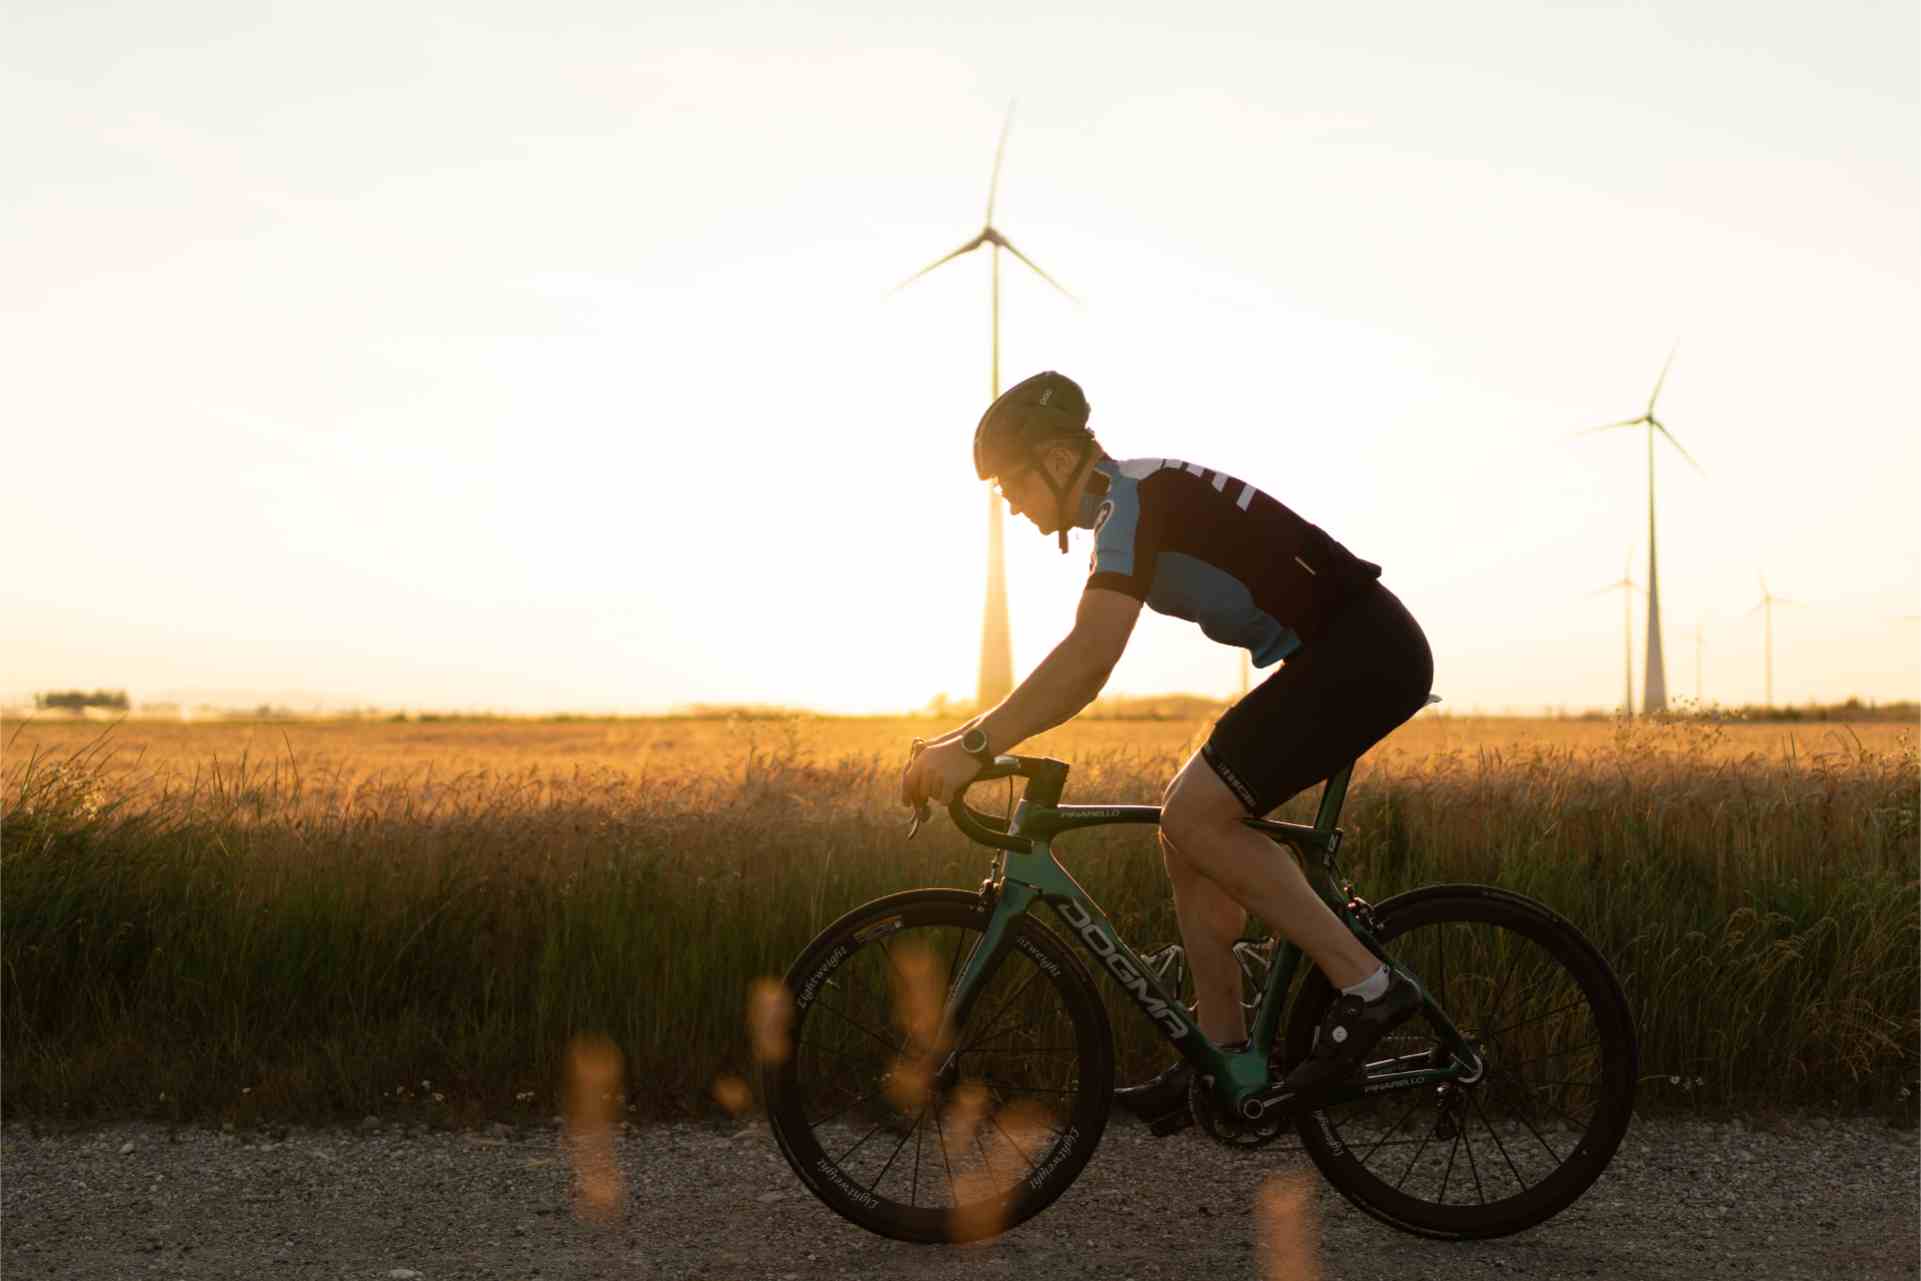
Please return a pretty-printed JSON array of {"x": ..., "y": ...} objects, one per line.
[
  {"x": 770, "y": 1021},
  {"x": 593, "y": 1092},
  {"x": 1287, "y": 1223}
]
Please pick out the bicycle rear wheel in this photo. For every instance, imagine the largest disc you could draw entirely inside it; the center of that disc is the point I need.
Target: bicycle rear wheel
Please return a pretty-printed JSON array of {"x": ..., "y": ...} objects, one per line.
[
  {"x": 971, "y": 1139},
  {"x": 1516, "y": 1147}
]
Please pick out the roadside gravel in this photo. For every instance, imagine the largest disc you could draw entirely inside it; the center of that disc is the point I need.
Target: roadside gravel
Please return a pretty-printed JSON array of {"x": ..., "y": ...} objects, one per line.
[{"x": 1817, "y": 1199}]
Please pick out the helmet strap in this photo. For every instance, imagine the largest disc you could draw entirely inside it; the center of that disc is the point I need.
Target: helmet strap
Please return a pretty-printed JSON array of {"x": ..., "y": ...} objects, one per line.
[{"x": 1064, "y": 489}]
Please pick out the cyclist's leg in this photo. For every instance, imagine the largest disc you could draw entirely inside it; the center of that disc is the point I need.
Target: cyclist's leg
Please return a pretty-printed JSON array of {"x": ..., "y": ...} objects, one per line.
[
  {"x": 1210, "y": 920},
  {"x": 1202, "y": 819},
  {"x": 1333, "y": 699}
]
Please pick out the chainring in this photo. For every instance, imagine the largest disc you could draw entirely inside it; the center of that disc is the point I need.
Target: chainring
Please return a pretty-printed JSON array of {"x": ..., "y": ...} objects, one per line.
[{"x": 1225, "y": 1129}]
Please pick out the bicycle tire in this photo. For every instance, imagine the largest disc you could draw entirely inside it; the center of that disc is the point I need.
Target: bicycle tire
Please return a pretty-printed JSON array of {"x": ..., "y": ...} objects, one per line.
[
  {"x": 1034, "y": 1075},
  {"x": 1554, "y": 1027}
]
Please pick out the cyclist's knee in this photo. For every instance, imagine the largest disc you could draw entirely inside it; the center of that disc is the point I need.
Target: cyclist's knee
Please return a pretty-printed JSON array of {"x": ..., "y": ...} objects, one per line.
[{"x": 1191, "y": 819}]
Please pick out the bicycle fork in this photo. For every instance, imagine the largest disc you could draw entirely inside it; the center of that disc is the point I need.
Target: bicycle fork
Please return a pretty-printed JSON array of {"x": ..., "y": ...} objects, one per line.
[{"x": 971, "y": 978}]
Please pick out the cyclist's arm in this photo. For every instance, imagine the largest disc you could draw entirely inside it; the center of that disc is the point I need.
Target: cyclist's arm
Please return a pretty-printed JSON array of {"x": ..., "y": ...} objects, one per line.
[{"x": 1068, "y": 678}]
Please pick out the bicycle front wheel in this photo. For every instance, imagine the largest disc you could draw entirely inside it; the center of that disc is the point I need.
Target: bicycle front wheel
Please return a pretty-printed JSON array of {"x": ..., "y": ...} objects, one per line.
[
  {"x": 955, "y": 1142},
  {"x": 1549, "y": 1020}
]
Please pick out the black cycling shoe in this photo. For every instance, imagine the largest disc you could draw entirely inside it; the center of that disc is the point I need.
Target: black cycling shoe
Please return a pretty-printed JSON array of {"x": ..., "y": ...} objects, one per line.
[
  {"x": 1351, "y": 1028},
  {"x": 1161, "y": 1102}
]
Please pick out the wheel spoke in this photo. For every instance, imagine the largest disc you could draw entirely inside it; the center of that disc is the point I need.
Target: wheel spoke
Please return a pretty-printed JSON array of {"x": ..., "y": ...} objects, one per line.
[
  {"x": 817, "y": 1048},
  {"x": 889, "y": 1046},
  {"x": 1412, "y": 1159},
  {"x": 992, "y": 1023},
  {"x": 1555, "y": 1054},
  {"x": 1500, "y": 990},
  {"x": 1571, "y": 1005},
  {"x": 1578, "y": 1124},
  {"x": 920, "y": 1131},
  {"x": 1392, "y": 1130},
  {"x": 940, "y": 1135},
  {"x": 1473, "y": 1166},
  {"x": 815, "y": 1125},
  {"x": 1529, "y": 1123},
  {"x": 986, "y": 1161},
  {"x": 860, "y": 1144},
  {"x": 896, "y": 1152},
  {"x": 1011, "y": 1142},
  {"x": 1448, "y": 1173},
  {"x": 1475, "y": 1099},
  {"x": 1016, "y": 1049}
]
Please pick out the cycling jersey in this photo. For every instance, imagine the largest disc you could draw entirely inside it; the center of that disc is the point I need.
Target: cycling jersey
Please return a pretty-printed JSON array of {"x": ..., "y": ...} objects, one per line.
[{"x": 1199, "y": 544}]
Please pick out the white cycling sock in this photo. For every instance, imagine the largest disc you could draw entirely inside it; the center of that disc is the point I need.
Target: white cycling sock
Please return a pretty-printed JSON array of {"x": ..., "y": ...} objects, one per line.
[{"x": 1369, "y": 988}]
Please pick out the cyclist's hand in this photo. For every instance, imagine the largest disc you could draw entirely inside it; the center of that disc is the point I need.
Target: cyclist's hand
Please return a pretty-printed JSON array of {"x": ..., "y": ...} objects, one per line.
[{"x": 937, "y": 774}]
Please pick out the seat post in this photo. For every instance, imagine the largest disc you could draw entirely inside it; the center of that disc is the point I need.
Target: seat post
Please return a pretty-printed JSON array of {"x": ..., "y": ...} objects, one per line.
[{"x": 1333, "y": 793}]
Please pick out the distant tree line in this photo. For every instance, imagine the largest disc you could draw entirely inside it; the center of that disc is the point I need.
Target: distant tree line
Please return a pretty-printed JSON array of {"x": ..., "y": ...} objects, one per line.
[{"x": 74, "y": 700}]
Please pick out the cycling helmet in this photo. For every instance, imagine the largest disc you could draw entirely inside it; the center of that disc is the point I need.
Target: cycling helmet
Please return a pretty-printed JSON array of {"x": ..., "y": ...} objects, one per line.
[{"x": 1046, "y": 408}]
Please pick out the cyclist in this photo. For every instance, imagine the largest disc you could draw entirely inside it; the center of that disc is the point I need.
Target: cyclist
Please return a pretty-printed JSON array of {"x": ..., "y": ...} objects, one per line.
[{"x": 1199, "y": 544}]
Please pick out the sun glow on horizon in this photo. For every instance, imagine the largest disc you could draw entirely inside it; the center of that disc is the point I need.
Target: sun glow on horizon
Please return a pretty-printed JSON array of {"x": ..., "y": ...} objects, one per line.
[{"x": 495, "y": 363}]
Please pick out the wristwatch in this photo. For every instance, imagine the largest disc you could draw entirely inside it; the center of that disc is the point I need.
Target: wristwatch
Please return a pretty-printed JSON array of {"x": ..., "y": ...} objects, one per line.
[{"x": 974, "y": 743}]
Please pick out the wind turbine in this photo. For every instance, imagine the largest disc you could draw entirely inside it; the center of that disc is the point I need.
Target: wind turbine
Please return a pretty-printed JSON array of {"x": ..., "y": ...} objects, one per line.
[
  {"x": 1768, "y": 602},
  {"x": 1626, "y": 586},
  {"x": 1699, "y": 630},
  {"x": 1655, "y": 691},
  {"x": 997, "y": 654}
]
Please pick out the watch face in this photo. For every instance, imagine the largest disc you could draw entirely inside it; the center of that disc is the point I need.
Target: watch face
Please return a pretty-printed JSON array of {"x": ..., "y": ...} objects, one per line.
[{"x": 974, "y": 741}]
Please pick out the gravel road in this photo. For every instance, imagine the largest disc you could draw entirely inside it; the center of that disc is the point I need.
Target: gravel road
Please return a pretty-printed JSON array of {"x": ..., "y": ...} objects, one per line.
[{"x": 1826, "y": 1199}]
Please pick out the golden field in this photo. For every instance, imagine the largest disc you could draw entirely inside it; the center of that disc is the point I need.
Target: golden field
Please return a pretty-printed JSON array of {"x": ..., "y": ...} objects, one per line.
[
  {"x": 307, "y": 918},
  {"x": 669, "y": 748}
]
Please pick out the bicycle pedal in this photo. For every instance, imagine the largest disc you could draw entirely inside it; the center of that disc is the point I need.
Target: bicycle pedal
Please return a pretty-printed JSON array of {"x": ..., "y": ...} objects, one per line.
[{"x": 1174, "y": 1121}]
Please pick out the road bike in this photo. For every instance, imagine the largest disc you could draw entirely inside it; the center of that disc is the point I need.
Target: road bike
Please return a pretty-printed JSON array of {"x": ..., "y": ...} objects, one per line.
[{"x": 951, "y": 1063}]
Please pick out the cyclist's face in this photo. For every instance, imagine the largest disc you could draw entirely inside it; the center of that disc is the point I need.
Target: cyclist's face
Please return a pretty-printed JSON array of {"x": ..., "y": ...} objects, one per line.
[{"x": 1027, "y": 494}]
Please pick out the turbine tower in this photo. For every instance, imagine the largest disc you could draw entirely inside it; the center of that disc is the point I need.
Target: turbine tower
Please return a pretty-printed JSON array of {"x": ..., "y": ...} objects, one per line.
[
  {"x": 997, "y": 653},
  {"x": 1654, "y": 694},
  {"x": 1768, "y": 601},
  {"x": 1626, "y": 586}
]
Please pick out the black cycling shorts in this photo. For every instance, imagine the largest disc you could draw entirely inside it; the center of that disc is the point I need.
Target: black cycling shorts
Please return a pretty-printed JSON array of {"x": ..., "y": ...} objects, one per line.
[{"x": 1332, "y": 699}]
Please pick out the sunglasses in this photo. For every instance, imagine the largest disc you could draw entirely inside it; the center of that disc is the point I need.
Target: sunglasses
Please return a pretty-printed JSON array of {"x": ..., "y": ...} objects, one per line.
[{"x": 1003, "y": 481}]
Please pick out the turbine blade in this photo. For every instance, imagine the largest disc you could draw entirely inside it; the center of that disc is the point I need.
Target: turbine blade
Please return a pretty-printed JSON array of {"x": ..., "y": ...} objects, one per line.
[
  {"x": 973, "y": 244},
  {"x": 1008, "y": 246},
  {"x": 1677, "y": 444},
  {"x": 1663, "y": 378},
  {"x": 1625, "y": 422},
  {"x": 994, "y": 183}
]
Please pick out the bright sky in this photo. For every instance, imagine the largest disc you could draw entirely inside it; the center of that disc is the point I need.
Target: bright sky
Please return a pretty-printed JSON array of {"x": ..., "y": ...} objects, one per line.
[{"x": 541, "y": 357}]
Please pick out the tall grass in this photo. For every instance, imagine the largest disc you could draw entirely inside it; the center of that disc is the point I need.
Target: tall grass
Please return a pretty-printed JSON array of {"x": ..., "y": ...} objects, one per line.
[{"x": 257, "y": 940}]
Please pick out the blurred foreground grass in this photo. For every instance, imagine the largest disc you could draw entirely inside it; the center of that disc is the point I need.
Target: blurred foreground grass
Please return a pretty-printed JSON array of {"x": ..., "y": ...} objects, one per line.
[{"x": 325, "y": 922}]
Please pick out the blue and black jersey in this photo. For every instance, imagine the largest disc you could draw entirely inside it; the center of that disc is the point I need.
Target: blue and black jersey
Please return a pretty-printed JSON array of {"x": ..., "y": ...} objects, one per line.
[{"x": 1201, "y": 545}]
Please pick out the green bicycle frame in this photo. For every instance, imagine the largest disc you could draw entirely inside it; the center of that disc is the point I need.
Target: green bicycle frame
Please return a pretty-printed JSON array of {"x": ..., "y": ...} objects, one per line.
[{"x": 1026, "y": 872}]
